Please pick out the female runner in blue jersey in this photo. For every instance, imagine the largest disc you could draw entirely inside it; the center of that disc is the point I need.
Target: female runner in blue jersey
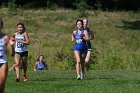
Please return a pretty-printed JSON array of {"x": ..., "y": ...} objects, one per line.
[
  {"x": 21, "y": 50},
  {"x": 80, "y": 36},
  {"x": 40, "y": 64},
  {"x": 4, "y": 40}
]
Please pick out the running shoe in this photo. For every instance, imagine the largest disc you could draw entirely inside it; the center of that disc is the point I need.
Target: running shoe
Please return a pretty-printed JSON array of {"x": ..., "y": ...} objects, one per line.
[
  {"x": 78, "y": 77},
  {"x": 25, "y": 78},
  {"x": 82, "y": 76},
  {"x": 17, "y": 80}
]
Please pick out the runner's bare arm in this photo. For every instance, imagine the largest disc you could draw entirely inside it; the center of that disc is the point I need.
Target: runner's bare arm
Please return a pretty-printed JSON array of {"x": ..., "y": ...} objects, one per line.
[
  {"x": 72, "y": 37},
  {"x": 86, "y": 37},
  {"x": 9, "y": 45}
]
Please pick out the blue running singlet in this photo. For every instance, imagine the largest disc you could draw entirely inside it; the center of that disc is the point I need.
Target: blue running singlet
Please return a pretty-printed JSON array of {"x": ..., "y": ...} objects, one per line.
[
  {"x": 40, "y": 66},
  {"x": 80, "y": 44}
]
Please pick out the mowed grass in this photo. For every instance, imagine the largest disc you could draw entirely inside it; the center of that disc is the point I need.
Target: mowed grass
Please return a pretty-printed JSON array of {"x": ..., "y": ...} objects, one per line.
[{"x": 113, "y": 81}]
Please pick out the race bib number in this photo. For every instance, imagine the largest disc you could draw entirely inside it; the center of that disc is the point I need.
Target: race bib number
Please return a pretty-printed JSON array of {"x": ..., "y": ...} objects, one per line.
[
  {"x": 79, "y": 41},
  {"x": 19, "y": 45}
]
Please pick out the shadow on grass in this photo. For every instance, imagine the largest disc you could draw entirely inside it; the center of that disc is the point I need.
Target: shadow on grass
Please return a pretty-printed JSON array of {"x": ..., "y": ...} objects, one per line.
[
  {"x": 132, "y": 25},
  {"x": 39, "y": 80},
  {"x": 53, "y": 79},
  {"x": 102, "y": 78},
  {"x": 72, "y": 79}
]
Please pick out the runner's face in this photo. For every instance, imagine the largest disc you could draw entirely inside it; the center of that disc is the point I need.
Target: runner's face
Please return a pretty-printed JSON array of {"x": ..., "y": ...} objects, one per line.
[
  {"x": 79, "y": 25},
  {"x": 20, "y": 28},
  {"x": 85, "y": 22},
  {"x": 41, "y": 58}
]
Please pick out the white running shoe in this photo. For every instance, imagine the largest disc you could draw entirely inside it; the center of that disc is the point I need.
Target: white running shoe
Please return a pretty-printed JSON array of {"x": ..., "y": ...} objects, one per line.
[
  {"x": 78, "y": 77},
  {"x": 82, "y": 76}
]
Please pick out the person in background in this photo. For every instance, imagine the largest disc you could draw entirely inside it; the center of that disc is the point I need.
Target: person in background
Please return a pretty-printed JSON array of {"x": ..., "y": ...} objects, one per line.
[
  {"x": 40, "y": 64},
  {"x": 89, "y": 48}
]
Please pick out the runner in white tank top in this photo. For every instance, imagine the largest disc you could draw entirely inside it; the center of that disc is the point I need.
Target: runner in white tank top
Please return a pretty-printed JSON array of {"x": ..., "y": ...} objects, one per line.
[
  {"x": 4, "y": 40},
  {"x": 21, "y": 51}
]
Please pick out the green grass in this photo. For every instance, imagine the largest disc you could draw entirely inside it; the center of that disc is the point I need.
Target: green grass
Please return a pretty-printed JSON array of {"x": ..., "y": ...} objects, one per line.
[{"x": 113, "y": 81}]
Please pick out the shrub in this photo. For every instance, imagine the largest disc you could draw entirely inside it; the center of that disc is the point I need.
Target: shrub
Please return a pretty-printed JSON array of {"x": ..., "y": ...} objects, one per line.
[
  {"x": 98, "y": 5},
  {"x": 95, "y": 66},
  {"x": 113, "y": 61},
  {"x": 61, "y": 65},
  {"x": 94, "y": 60},
  {"x": 65, "y": 54},
  {"x": 12, "y": 7},
  {"x": 60, "y": 55},
  {"x": 82, "y": 6},
  {"x": 94, "y": 56}
]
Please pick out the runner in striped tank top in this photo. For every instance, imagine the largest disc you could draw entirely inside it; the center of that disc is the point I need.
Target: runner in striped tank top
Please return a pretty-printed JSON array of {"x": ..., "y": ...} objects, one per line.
[{"x": 21, "y": 50}]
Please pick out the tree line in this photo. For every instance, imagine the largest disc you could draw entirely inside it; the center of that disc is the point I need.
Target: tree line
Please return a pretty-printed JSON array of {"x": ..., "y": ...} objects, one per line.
[{"x": 96, "y": 4}]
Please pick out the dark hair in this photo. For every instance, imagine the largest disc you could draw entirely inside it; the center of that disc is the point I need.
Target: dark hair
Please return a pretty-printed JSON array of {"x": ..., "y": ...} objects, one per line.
[
  {"x": 1, "y": 23},
  {"x": 42, "y": 56},
  {"x": 80, "y": 21},
  {"x": 22, "y": 25},
  {"x": 39, "y": 57}
]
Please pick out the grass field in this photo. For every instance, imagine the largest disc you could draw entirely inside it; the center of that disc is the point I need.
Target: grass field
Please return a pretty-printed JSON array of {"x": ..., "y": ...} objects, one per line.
[
  {"x": 113, "y": 81},
  {"x": 117, "y": 36}
]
